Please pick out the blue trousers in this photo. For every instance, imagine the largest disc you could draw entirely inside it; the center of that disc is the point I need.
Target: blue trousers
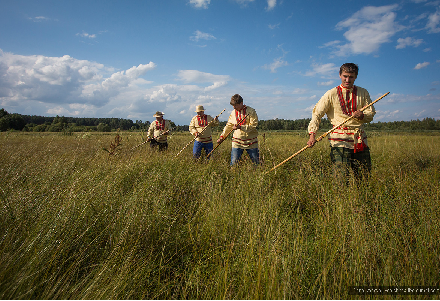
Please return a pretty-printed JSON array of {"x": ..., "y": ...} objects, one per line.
[
  {"x": 253, "y": 153},
  {"x": 198, "y": 146}
]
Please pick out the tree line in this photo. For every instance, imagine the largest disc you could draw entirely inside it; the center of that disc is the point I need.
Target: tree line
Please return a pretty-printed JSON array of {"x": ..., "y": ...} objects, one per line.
[{"x": 33, "y": 123}]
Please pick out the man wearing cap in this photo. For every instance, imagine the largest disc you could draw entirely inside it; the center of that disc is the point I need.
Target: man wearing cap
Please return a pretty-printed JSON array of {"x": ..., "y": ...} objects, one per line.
[
  {"x": 245, "y": 135},
  {"x": 197, "y": 125},
  {"x": 158, "y": 132}
]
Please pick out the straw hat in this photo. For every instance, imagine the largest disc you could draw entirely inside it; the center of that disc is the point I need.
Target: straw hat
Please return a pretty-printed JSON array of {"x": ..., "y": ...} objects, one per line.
[
  {"x": 200, "y": 108},
  {"x": 159, "y": 114}
]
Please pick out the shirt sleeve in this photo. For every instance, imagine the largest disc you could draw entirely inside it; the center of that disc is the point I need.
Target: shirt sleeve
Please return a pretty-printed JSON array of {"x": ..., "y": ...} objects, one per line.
[
  {"x": 318, "y": 112},
  {"x": 192, "y": 126},
  {"x": 151, "y": 130},
  {"x": 213, "y": 122}
]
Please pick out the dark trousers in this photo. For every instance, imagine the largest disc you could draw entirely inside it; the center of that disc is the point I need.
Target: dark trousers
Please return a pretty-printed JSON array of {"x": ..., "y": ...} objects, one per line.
[
  {"x": 345, "y": 159},
  {"x": 161, "y": 146}
]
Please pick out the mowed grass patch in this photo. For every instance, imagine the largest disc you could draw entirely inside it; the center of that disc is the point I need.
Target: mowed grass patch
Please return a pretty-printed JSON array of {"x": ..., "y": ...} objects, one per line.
[{"x": 78, "y": 223}]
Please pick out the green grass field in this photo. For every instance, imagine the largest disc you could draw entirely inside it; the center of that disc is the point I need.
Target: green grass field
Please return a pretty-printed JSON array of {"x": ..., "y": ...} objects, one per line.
[{"x": 78, "y": 223}]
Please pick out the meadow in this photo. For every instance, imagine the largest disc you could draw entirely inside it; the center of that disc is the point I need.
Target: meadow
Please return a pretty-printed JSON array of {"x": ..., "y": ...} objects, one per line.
[{"x": 77, "y": 222}]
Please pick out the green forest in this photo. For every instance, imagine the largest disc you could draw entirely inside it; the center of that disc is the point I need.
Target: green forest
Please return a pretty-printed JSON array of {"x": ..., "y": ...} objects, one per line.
[{"x": 33, "y": 123}]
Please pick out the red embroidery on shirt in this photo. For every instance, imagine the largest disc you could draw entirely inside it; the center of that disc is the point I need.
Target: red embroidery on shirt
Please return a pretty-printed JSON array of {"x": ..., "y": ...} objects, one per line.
[
  {"x": 240, "y": 115},
  {"x": 348, "y": 106},
  {"x": 160, "y": 125},
  {"x": 202, "y": 121}
]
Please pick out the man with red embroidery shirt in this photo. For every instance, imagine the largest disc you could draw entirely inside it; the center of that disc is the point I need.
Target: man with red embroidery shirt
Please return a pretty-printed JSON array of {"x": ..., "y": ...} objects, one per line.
[
  {"x": 348, "y": 143},
  {"x": 158, "y": 132},
  {"x": 198, "y": 124},
  {"x": 245, "y": 135}
]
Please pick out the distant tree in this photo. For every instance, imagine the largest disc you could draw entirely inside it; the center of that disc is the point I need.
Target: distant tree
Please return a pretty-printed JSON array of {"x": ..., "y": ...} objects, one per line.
[
  {"x": 12, "y": 121},
  {"x": 103, "y": 127},
  {"x": 3, "y": 113}
]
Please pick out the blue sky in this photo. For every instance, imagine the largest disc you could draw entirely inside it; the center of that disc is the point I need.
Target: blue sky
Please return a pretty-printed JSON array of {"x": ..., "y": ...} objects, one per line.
[{"x": 129, "y": 59}]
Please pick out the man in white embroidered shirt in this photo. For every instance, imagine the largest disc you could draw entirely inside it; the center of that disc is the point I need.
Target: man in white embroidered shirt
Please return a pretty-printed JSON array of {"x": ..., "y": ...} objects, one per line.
[
  {"x": 158, "y": 132},
  {"x": 348, "y": 143},
  {"x": 199, "y": 124},
  {"x": 245, "y": 135}
]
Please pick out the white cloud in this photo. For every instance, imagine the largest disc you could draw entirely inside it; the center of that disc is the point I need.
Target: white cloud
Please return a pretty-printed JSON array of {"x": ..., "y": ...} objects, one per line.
[
  {"x": 433, "y": 22},
  {"x": 368, "y": 29},
  {"x": 115, "y": 84},
  {"x": 325, "y": 70},
  {"x": 418, "y": 114},
  {"x": 331, "y": 44},
  {"x": 273, "y": 26},
  {"x": 277, "y": 63},
  {"x": 299, "y": 91},
  {"x": 195, "y": 76},
  {"x": 198, "y": 35},
  {"x": 62, "y": 80},
  {"x": 200, "y": 3},
  {"x": 39, "y": 19},
  {"x": 402, "y": 43},
  {"x": 271, "y": 4},
  {"x": 327, "y": 83},
  {"x": 86, "y": 35},
  {"x": 244, "y": 2},
  {"x": 421, "y": 65}
]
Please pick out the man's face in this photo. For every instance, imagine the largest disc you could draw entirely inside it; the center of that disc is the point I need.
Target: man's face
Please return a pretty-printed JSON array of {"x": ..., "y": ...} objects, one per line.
[
  {"x": 201, "y": 113},
  {"x": 347, "y": 79},
  {"x": 159, "y": 118},
  {"x": 238, "y": 106}
]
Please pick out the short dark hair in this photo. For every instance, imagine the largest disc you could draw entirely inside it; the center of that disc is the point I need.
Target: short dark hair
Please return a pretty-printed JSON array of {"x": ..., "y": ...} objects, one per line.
[
  {"x": 350, "y": 68},
  {"x": 236, "y": 99}
]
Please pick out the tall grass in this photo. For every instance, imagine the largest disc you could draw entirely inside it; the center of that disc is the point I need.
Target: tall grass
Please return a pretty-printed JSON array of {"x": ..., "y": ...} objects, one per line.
[{"x": 76, "y": 223}]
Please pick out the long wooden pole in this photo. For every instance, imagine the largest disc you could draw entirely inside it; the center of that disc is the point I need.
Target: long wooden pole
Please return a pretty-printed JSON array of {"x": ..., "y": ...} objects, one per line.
[
  {"x": 209, "y": 124},
  {"x": 328, "y": 132},
  {"x": 224, "y": 138}
]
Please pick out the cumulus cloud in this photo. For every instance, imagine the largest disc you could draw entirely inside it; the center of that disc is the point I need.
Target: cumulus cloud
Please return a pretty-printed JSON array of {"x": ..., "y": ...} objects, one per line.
[
  {"x": 402, "y": 43},
  {"x": 271, "y": 4},
  {"x": 433, "y": 22},
  {"x": 115, "y": 84},
  {"x": 200, "y": 3},
  {"x": 194, "y": 76},
  {"x": 369, "y": 28},
  {"x": 62, "y": 80},
  {"x": 198, "y": 35},
  {"x": 421, "y": 65}
]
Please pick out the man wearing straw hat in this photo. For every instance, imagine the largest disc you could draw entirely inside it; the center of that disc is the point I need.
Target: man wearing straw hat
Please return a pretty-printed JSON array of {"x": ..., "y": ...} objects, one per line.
[
  {"x": 245, "y": 135},
  {"x": 197, "y": 125},
  {"x": 158, "y": 132},
  {"x": 349, "y": 148}
]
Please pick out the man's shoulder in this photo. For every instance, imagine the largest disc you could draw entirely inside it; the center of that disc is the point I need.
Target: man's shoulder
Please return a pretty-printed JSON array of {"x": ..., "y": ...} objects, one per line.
[
  {"x": 360, "y": 89},
  {"x": 250, "y": 109},
  {"x": 332, "y": 90}
]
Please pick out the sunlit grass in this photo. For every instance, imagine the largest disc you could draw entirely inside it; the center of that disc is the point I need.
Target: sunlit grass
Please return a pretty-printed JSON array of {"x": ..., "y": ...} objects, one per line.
[{"x": 78, "y": 223}]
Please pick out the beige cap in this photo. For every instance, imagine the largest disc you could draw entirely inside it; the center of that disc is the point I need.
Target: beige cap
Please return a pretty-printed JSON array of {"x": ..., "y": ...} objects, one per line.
[
  {"x": 200, "y": 108},
  {"x": 159, "y": 114}
]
